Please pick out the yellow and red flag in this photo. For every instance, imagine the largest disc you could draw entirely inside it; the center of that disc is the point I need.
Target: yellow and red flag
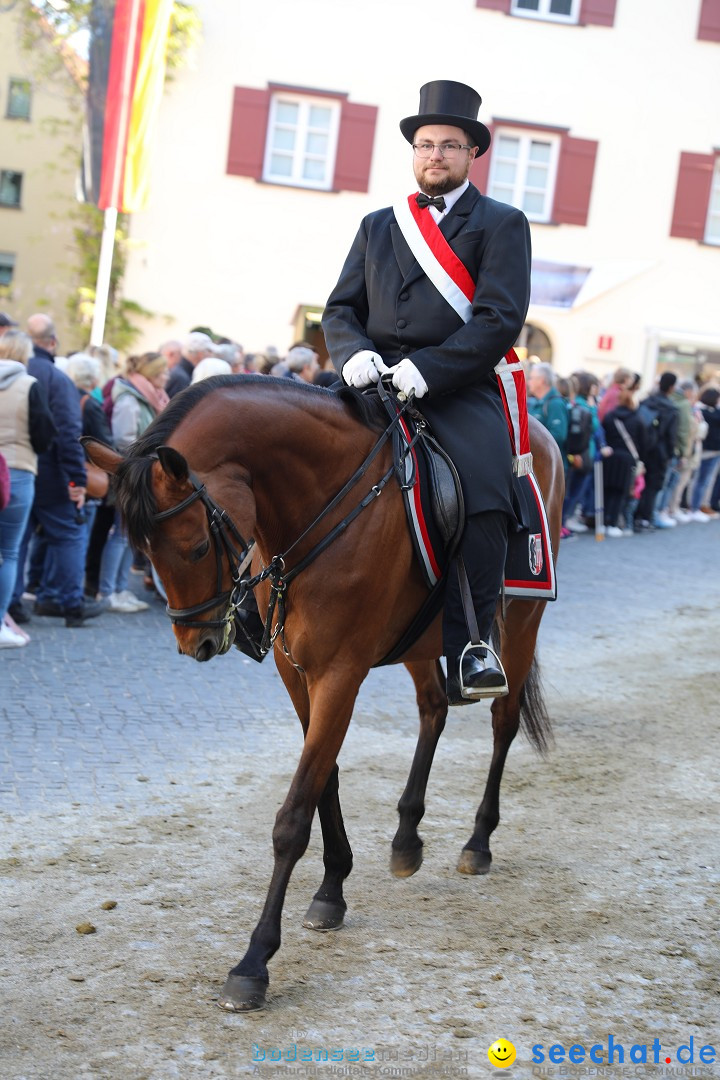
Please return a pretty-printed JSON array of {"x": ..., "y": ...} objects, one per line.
[{"x": 128, "y": 46}]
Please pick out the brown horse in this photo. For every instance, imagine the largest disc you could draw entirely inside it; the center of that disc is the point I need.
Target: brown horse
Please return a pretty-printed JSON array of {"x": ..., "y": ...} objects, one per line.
[{"x": 240, "y": 457}]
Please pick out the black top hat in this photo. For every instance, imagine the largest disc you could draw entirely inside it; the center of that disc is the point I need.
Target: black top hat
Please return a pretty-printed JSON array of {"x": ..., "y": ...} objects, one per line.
[{"x": 453, "y": 103}]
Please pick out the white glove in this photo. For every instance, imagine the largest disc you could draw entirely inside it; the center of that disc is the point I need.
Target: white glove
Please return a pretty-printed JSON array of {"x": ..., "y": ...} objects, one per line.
[
  {"x": 360, "y": 369},
  {"x": 407, "y": 379}
]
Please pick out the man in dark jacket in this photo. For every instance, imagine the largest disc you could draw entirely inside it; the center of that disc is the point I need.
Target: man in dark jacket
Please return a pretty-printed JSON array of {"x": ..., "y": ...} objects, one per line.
[
  {"x": 387, "y": 311},
  {"x": 59, "y": 491},
  {"x": 659, "y": 414}
]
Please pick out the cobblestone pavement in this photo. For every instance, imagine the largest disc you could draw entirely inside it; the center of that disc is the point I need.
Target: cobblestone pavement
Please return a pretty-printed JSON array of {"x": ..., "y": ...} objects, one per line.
[{"x": 91, "y": 715}]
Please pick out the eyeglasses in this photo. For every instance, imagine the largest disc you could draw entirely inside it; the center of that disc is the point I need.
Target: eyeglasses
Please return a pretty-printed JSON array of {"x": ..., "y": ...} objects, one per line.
[{"x": 447, "y": 150}]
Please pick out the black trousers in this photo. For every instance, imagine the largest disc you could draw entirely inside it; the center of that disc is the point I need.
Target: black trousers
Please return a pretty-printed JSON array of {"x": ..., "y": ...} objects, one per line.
[{"x": 483, "y": 548}]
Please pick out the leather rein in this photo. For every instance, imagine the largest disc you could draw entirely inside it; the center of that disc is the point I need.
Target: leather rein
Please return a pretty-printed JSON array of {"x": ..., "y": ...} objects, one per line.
[{"x": 229, "y": 543}]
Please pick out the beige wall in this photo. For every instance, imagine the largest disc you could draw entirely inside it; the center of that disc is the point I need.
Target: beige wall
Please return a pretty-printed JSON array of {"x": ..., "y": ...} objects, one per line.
[{"x": 45, "y": 150}]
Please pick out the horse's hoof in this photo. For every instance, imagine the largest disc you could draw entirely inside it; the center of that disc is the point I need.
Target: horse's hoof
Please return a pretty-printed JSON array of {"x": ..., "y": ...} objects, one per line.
[
  {"x": 474, "y": 862},
  {"x": 405, "y": 863},
  {"x": 322, "y": 915},
  {"x": 243, "y": 993}
]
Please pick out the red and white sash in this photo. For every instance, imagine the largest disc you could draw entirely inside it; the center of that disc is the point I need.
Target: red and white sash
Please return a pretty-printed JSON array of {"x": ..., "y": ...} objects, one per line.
[{"x": 453, "y": 281}]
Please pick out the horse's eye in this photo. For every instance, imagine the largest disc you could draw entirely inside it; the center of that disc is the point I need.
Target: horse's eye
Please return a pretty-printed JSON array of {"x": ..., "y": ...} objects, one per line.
[{"x": 200, "y": 552}]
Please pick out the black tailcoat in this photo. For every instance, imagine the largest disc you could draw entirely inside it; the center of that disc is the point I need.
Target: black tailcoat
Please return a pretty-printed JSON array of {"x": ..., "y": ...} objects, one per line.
[{"x": 383, "y": 301}]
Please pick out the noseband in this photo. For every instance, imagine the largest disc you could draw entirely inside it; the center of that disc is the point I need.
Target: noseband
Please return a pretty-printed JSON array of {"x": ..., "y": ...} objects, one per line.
[{"x": 227, "y": 539}]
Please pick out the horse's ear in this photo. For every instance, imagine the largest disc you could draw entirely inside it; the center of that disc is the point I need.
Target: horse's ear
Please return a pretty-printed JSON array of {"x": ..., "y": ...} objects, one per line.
[
  {"x": 173, "y": 463},
  {"x": 101, "y": 454}
]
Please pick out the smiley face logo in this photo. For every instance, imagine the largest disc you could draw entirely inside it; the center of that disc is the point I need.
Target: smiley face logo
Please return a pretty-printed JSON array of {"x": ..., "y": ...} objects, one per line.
[{"x": 501, "y": 1054}]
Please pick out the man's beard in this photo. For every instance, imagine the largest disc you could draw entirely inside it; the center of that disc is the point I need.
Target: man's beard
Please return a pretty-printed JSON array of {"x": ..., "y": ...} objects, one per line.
[{"x": 442, "y": 186}]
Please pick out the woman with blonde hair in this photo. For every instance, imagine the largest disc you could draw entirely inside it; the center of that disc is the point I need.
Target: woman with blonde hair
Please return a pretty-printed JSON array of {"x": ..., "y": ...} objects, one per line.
[{"x": 138, "y": 396}]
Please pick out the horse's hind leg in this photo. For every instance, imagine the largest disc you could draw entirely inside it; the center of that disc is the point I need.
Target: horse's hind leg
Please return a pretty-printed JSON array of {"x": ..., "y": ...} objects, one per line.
[
  {"x": 406, "y": 855},
  {"x": 518, "y": 634},
  {"x": 327, "y": 910}
]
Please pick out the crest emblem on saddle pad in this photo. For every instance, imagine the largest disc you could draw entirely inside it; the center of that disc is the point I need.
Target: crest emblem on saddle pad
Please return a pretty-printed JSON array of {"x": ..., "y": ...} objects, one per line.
[{"x": 535, "y": 553}]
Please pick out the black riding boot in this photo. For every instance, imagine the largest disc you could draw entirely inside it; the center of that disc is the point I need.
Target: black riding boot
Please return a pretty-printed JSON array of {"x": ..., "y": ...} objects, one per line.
[{"x": 249, "y": 629}]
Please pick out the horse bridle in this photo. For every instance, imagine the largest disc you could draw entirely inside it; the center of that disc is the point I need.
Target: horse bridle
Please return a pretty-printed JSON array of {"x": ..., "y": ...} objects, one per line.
[
  {"x": 225, "y": 536},
  {"x": 221, "y": 524}
]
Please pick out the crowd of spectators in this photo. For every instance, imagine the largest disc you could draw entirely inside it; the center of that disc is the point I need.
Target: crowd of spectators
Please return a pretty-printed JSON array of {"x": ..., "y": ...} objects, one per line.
[
  {"x": 64, "y": 552},
  {"x": 632, "y": 465}
]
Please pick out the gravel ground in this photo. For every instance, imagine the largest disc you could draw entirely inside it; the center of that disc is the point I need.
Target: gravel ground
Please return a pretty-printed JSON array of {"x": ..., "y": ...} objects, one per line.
[{"x": 599, "y": 919}]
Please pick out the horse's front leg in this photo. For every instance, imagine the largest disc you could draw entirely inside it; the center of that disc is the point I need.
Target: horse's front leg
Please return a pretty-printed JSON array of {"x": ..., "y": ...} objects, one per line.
[
  {"x": 406, "y": 856},
  {"x": 330, "y": 711},
  {"x": 518, "y": 636},
  {"x": 327, "y": 910}
]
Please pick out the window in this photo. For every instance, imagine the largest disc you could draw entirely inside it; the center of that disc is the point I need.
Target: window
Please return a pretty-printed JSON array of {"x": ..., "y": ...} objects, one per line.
[
  {"x": 7, "y": 268},
  {"x": 10, "y": 187},
  {"x": 696, "y": 213},
  {"x": 301, "y": 141},
  {"x": 19, "y": 96},
  {"x": 557, "y": 10},
  {"x": 545, "y": 171},
  {"x": 523, "y": 171},
  {"x": 311, "y": 139},
  {"x": 712, "y": 228},
  {"x": 573, "y": 12},
  {"x": 709, "y": 23}
]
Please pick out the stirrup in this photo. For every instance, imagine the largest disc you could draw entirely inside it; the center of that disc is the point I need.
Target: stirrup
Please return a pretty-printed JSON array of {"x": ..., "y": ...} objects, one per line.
[{"x": 478, "y": 693}]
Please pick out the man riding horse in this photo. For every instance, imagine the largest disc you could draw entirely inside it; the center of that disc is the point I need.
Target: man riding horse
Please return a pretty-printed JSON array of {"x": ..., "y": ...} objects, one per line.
[{"x": 436, "y": 290}]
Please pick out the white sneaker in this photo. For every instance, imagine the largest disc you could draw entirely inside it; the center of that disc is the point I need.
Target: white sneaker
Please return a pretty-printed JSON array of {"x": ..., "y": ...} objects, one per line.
[
  {"x": 116, "y": 602},
  {"x": 682, "y": 517},
  {"x": 9, "y": 639},
  {"x": 664, "y": 521},
  {"x": 697, "y": 515},
  {"x": 130, "y": 598},
  {"x": 613, "y": 530},
  {"x": 576, "y": 526}
]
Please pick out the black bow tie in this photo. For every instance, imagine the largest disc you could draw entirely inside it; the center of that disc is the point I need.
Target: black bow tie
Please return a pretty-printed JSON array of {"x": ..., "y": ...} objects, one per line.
[{"x": 424, "y": 200}]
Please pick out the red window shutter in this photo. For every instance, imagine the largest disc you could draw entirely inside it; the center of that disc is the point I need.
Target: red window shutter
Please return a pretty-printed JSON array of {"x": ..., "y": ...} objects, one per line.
[
  {"x": 597, "y": 12},
  {"x": 692, "y": 196},
  {"x": 480, "y": 168},
  {"x": 248, "y": 132},
  {"x": 355, "y": 147},
  {"x": 573, "y": 186},
  {"x": 494, "y": 5},
  {"x": 709, "y": 26}
]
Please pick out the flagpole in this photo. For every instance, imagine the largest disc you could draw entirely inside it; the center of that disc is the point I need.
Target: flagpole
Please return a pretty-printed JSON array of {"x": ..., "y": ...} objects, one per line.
[{"x": 102, "y": 286}]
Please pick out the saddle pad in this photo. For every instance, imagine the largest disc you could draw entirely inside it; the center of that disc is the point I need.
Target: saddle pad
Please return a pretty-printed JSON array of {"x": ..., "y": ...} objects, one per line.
[{"x": 529, "y": 566}]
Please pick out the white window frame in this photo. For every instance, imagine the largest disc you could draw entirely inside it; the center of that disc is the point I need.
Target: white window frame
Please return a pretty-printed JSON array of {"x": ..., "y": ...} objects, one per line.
[
  {"x": 9, "y": 114},
  {"x": 305, "y": 103},
  {"x": 712, "y": 223},
  {"x": 7, "y": 269},
  {"x": 544, "y": 12},
  {"x": 13, "y": 205},
  {"x": 525, "y": 136}
]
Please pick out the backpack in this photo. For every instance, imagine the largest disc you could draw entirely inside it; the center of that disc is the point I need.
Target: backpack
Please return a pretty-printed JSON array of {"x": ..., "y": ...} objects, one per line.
[
  {"x": 650, "y": 422},
  {"x": 580, "y": 425}
]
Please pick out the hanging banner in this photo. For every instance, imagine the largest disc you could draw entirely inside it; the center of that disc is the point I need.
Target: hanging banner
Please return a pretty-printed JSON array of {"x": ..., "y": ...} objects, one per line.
[{"x": 128, "y": 45}]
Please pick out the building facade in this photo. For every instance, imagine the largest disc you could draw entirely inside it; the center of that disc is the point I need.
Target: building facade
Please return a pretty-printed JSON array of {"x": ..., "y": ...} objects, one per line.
[
  {"x": 41, "y": 115},
  {"x": 283, "y": 132}
]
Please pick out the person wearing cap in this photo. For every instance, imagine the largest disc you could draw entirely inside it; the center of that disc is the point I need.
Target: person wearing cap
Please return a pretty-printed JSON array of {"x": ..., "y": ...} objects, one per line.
[
  {"x": 6, "y": 323},
  {"x": 441, "y": 323}
]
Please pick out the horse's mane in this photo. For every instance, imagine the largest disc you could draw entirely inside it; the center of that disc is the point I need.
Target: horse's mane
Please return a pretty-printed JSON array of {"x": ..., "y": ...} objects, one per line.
[{"x": 134, "y": 492}]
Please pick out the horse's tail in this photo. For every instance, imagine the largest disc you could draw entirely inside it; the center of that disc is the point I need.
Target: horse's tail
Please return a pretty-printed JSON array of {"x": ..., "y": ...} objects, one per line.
[{"x": 534, "y": 717}]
